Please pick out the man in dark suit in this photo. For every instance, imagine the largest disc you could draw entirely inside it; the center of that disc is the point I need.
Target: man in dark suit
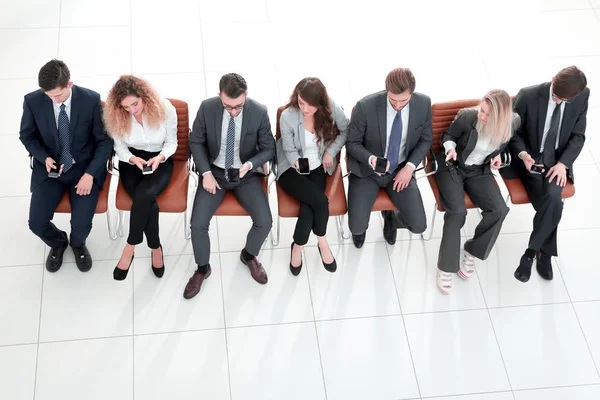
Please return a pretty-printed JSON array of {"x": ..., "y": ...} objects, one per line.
[
  {"x": 393, "y": 124},
  {"x": 231, "y": 138},
  {"x": 551, "y": 136},
  {"x": 62, "y": 128}
]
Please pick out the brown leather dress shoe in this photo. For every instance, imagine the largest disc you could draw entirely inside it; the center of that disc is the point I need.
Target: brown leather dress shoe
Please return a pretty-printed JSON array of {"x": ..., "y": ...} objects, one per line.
[
  {"x": 195, "y": 283},
  {"x": 256, "y": 270}
]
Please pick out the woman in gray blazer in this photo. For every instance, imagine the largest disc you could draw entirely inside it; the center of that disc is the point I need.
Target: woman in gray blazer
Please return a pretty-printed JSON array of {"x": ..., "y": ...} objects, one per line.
[
  {"x": 313, "y": 131},
  {"x": 472, "y": 145}
]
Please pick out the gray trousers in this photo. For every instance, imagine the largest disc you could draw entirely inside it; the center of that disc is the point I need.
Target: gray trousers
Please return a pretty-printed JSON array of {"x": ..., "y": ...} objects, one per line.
[
  {"x": 362, "y": 193},
  {"x": 483, "y": 190},
  {"x": 249, "y": 192}
]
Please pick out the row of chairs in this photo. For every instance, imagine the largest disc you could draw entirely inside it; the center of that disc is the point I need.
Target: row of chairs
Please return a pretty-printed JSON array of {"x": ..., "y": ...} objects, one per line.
[{"x": 174, "y": 198}]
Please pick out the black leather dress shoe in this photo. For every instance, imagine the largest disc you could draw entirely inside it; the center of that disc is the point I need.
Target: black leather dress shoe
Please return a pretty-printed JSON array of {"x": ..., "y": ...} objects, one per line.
[
  {"x": 83, "y": 259},
  {"x": 523, "y": 272},
  {"x": 389, "y": 231},
  {"x": 544, "y": 266},
  {"x": 359, "y": 240},
  {"x": 55, "y": 257}
]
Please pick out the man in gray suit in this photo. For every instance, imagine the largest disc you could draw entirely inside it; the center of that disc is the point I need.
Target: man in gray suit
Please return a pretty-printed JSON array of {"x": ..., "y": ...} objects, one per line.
[
  {"x": 231, "y": 136},
  {"x": 394, "y": 124}
]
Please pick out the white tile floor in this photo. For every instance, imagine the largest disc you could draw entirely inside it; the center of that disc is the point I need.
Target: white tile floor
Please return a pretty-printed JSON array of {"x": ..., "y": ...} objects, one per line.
[{"x": 377, "y": 328}]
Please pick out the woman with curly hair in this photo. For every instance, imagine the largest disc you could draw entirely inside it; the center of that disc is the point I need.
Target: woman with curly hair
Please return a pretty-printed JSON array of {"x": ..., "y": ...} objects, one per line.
[{"x": 144, "y": 128}]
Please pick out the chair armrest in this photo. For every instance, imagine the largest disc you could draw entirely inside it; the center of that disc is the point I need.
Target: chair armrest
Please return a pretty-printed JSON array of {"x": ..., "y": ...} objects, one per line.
[
  {"x": 433, "y": 165},
  {"x": 506, "y": 158}
]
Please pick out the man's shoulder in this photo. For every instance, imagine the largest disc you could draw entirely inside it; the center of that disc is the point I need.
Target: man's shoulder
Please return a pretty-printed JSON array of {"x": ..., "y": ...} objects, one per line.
[{"x": 85, "y": 93}]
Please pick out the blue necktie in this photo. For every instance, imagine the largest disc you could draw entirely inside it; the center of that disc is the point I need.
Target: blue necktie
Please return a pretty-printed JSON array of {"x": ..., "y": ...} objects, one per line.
[
  {"x": 66, "y": 159},
  {"x": 230, "y": 144},
  {"x": 393, "y": 154}
]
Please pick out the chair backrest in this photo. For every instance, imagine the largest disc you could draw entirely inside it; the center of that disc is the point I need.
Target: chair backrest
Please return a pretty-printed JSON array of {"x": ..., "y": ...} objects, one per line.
[
  {"x": 183, "y": 130},
  {"x": 442, "y": 115},
  {"x": 277, "y": 128}
]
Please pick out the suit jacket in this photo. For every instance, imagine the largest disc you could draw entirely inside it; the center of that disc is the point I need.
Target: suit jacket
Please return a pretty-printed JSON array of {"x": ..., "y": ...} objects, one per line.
[
  {"x": 257, "y": 144},
  {"x": 291, "y": 145},
  {"x": 367, "y": 132},
  {"x": 531, "y": 103},
  {"x": 463, "y": 132},
  {"x": 91, "y": 147}
]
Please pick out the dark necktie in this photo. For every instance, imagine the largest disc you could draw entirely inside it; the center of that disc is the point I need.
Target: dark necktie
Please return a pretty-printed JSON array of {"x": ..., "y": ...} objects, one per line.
[
  {"x": 393, "y": 153},
  {"x": 66, "y": 159},
  {"x": 549, "y": 154},
  {"x": 229, "y": 149}
]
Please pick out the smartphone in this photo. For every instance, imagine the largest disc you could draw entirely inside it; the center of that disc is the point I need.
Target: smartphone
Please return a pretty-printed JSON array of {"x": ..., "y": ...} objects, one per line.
[
  {"x": 54, "y": 172},
  {"x": 537, "y": 169},
  {"x": 303, "y": 166},
  {"x": 381, "y": 165},
  {"x": 232, "y": 175},
  {"x": 147, "y": 170}
]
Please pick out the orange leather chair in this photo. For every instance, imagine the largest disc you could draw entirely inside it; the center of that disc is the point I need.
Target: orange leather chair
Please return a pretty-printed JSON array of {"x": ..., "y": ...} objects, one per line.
[
  {"x": 289, "y": 207},
  {"x": 518, "y": 195},
  {"x": 174, "y": 198}
]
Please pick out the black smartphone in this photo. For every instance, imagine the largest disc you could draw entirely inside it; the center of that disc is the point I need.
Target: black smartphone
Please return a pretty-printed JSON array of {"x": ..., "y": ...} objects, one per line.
[
  {"x": 303, "y": 166},
  {"x": 381, "y": 165},
  {"x": 537, "y": 169},
  {"x": 232, "y": 175},
  {"x": 54, "y": 172},
  {"x": 147, "y": 170}
]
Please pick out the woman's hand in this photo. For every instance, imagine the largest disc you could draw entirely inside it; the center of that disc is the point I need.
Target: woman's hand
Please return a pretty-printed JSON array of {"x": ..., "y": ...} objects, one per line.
[{"x": 327, "y": 160}]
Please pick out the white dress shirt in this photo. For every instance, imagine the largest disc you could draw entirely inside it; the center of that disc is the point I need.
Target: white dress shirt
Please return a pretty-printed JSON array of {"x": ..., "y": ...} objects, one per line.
[
  {"x": 482, "y": 150},
  {"x": 551, "y": 106},
  {"x": 391, "y": 114},
  {"x": 143, "y": 137},
  {"x": 220, "y": 160},
  {"x": 311, "y": 150}
]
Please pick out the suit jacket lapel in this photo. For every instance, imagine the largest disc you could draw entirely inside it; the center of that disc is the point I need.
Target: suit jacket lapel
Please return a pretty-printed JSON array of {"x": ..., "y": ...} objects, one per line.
[
  {"x": 542, "y": 111},
  {"x": 51, "y": 121},
  {"x": 301, "y": 132},
  {"x": 245, "y": 119},
  {"x": 219, "y": 125},
  {"x": 382, "y": 120},
  {"x": 412, "y": 120},
  {"x": 562, "y": 134},
  {"x": 74, "y": 114}
]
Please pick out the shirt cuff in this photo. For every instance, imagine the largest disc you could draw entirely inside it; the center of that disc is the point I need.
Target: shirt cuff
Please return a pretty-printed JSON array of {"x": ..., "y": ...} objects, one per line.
[
  {"x": 369, "y": 161},
  {"x": 412, "y": 165},
  {"x": 521, "y": 154},
  {"x": 449, "y": 145},
  {"x": 251, "y": 165},
  {"x": 207, "y": 172}
]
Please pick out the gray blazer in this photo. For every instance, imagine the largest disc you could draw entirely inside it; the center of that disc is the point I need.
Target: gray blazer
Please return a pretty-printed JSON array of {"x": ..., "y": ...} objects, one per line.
[
  {"x": 367, "y": 131},
  {"x": 291, "y": 145},
  {"x": 257, "y": 144}
]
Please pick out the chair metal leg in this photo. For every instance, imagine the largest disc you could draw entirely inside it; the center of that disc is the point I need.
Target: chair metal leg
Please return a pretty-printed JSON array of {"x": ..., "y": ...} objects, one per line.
[
  {"x": 120, "y": 223},
  {"x": 111, "y": 233},
  {"x": 507, "y": 199},
  {"x": 275, "y": 237},
  {"x": 428, "y": 237},
  {"x": 187, "y": 226},
  {"x": 341, "y": 231}
]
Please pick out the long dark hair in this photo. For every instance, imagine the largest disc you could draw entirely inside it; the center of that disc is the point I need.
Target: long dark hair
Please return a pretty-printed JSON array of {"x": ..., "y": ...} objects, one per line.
[{"x": 314, "y": 93}]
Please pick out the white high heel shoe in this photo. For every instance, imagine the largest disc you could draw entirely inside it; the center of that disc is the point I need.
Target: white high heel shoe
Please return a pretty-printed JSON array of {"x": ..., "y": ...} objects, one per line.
[
  {"x": 444, "y": 281},
  {"x": 467, "y": 267}
]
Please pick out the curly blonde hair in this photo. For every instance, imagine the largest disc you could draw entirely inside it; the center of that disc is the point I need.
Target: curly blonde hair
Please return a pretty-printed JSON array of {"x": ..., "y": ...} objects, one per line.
[{"x": 117, "y": 120}]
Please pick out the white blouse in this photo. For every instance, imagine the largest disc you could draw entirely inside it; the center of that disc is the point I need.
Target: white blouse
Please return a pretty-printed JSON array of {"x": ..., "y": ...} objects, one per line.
[
  {"x": 143, "y": 137},
  {"x": 311, "y": 150}
]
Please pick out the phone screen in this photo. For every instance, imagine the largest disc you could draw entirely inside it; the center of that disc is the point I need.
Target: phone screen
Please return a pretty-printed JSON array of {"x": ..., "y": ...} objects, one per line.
[
  {"x": 232, "y": 175},
  {"x": 536, "y": 169},
  {"x": 147, "y": 169},
  {"x": 54, "y": 172},
  {"x": 381, "y": 165},
  {"x": 303, "y": 167}
]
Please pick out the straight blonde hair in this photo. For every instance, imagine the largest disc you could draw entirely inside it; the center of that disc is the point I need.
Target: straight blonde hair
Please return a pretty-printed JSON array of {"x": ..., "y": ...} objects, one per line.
[{"x": 499, "y": 125}]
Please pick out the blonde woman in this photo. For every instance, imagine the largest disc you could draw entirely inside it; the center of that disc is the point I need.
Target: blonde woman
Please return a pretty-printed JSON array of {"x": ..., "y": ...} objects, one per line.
[
  {"x": 472, "y": 144},
  {"x": 144, "y": 128}
]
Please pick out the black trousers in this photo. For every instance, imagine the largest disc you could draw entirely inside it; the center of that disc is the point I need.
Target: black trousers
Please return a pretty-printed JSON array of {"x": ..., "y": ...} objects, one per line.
[
  {"x": 483, "y": 190},
  {"x": 546, "y": 198},
  {"x": 309, "y": 190},
  {"x": 143, "y": 190},
  {"x": 44, "y": 200}
]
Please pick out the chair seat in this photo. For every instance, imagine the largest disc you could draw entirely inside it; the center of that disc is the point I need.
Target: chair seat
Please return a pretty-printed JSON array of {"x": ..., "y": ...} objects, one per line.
[
  {"x": 230, "y": 206},
  {"x": 518, "y": 194},
  {"x": 65, "y": 207},
  {"x": 334, "y": 190},
  {"x": 173, "y": 199}
]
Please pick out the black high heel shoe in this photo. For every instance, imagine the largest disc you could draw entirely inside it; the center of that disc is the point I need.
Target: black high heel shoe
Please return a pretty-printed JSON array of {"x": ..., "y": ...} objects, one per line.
[
  {"x": 332, "y": 267},
  {"x": 120, "y": 274},
  {"x": 159, "y": 272},
  {"x": 295, "y": 270}
]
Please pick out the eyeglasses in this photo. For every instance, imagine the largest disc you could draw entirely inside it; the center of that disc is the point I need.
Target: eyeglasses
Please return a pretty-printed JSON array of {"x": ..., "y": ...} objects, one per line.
[
  {"x": 236, "y": 108},
  {"x": 567, "y": 101}
]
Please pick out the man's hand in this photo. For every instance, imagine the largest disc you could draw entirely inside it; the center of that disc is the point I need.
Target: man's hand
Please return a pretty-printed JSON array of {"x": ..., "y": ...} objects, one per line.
[
  {"x": 327, "y": 161},
  {"x": 496, "y": 162},
  {"x": 50, "y": 164},
  {"x": 244, "y": 170},
  {"x": 451, "y": 155},
  {"x": 403, "y": 178},
  {"x": 210, "y": 184},
  {"x": 84, "y": 186},
  {"x": 154, "y": 161},
  {"x": 139, "y": 162},
  {"x": 559, "y": 171},
  {"x": 373, "y": 161}
]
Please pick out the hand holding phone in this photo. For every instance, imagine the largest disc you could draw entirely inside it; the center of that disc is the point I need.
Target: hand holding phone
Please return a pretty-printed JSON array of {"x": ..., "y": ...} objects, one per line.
[
  {"x": 537, "y": 169},
  {"x": 54, "y": 171},
  {"x": 381, "y": 165},
  {"x": 232, "y": 175},
  {"x": 303, "y": 166},
  {"x": 147, "y": 169}
]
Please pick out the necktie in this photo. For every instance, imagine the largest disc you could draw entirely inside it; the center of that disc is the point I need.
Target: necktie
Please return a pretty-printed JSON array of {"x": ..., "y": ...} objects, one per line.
[
  {"x": 230, "y": 144},
  {"x": 66, "y": 159},
  {"x": 549, "y": 154},
  {"x": 393, "y": 153}
]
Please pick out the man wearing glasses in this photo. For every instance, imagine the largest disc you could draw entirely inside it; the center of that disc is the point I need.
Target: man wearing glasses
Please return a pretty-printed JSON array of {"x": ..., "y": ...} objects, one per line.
[
  {"x": 231, "y": 137},
  {"x": 551, "y": 136}
]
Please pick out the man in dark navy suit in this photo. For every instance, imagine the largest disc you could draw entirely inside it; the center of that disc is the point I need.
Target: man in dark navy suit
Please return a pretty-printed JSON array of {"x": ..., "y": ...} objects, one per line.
[{"x": 63, "y": 131}]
